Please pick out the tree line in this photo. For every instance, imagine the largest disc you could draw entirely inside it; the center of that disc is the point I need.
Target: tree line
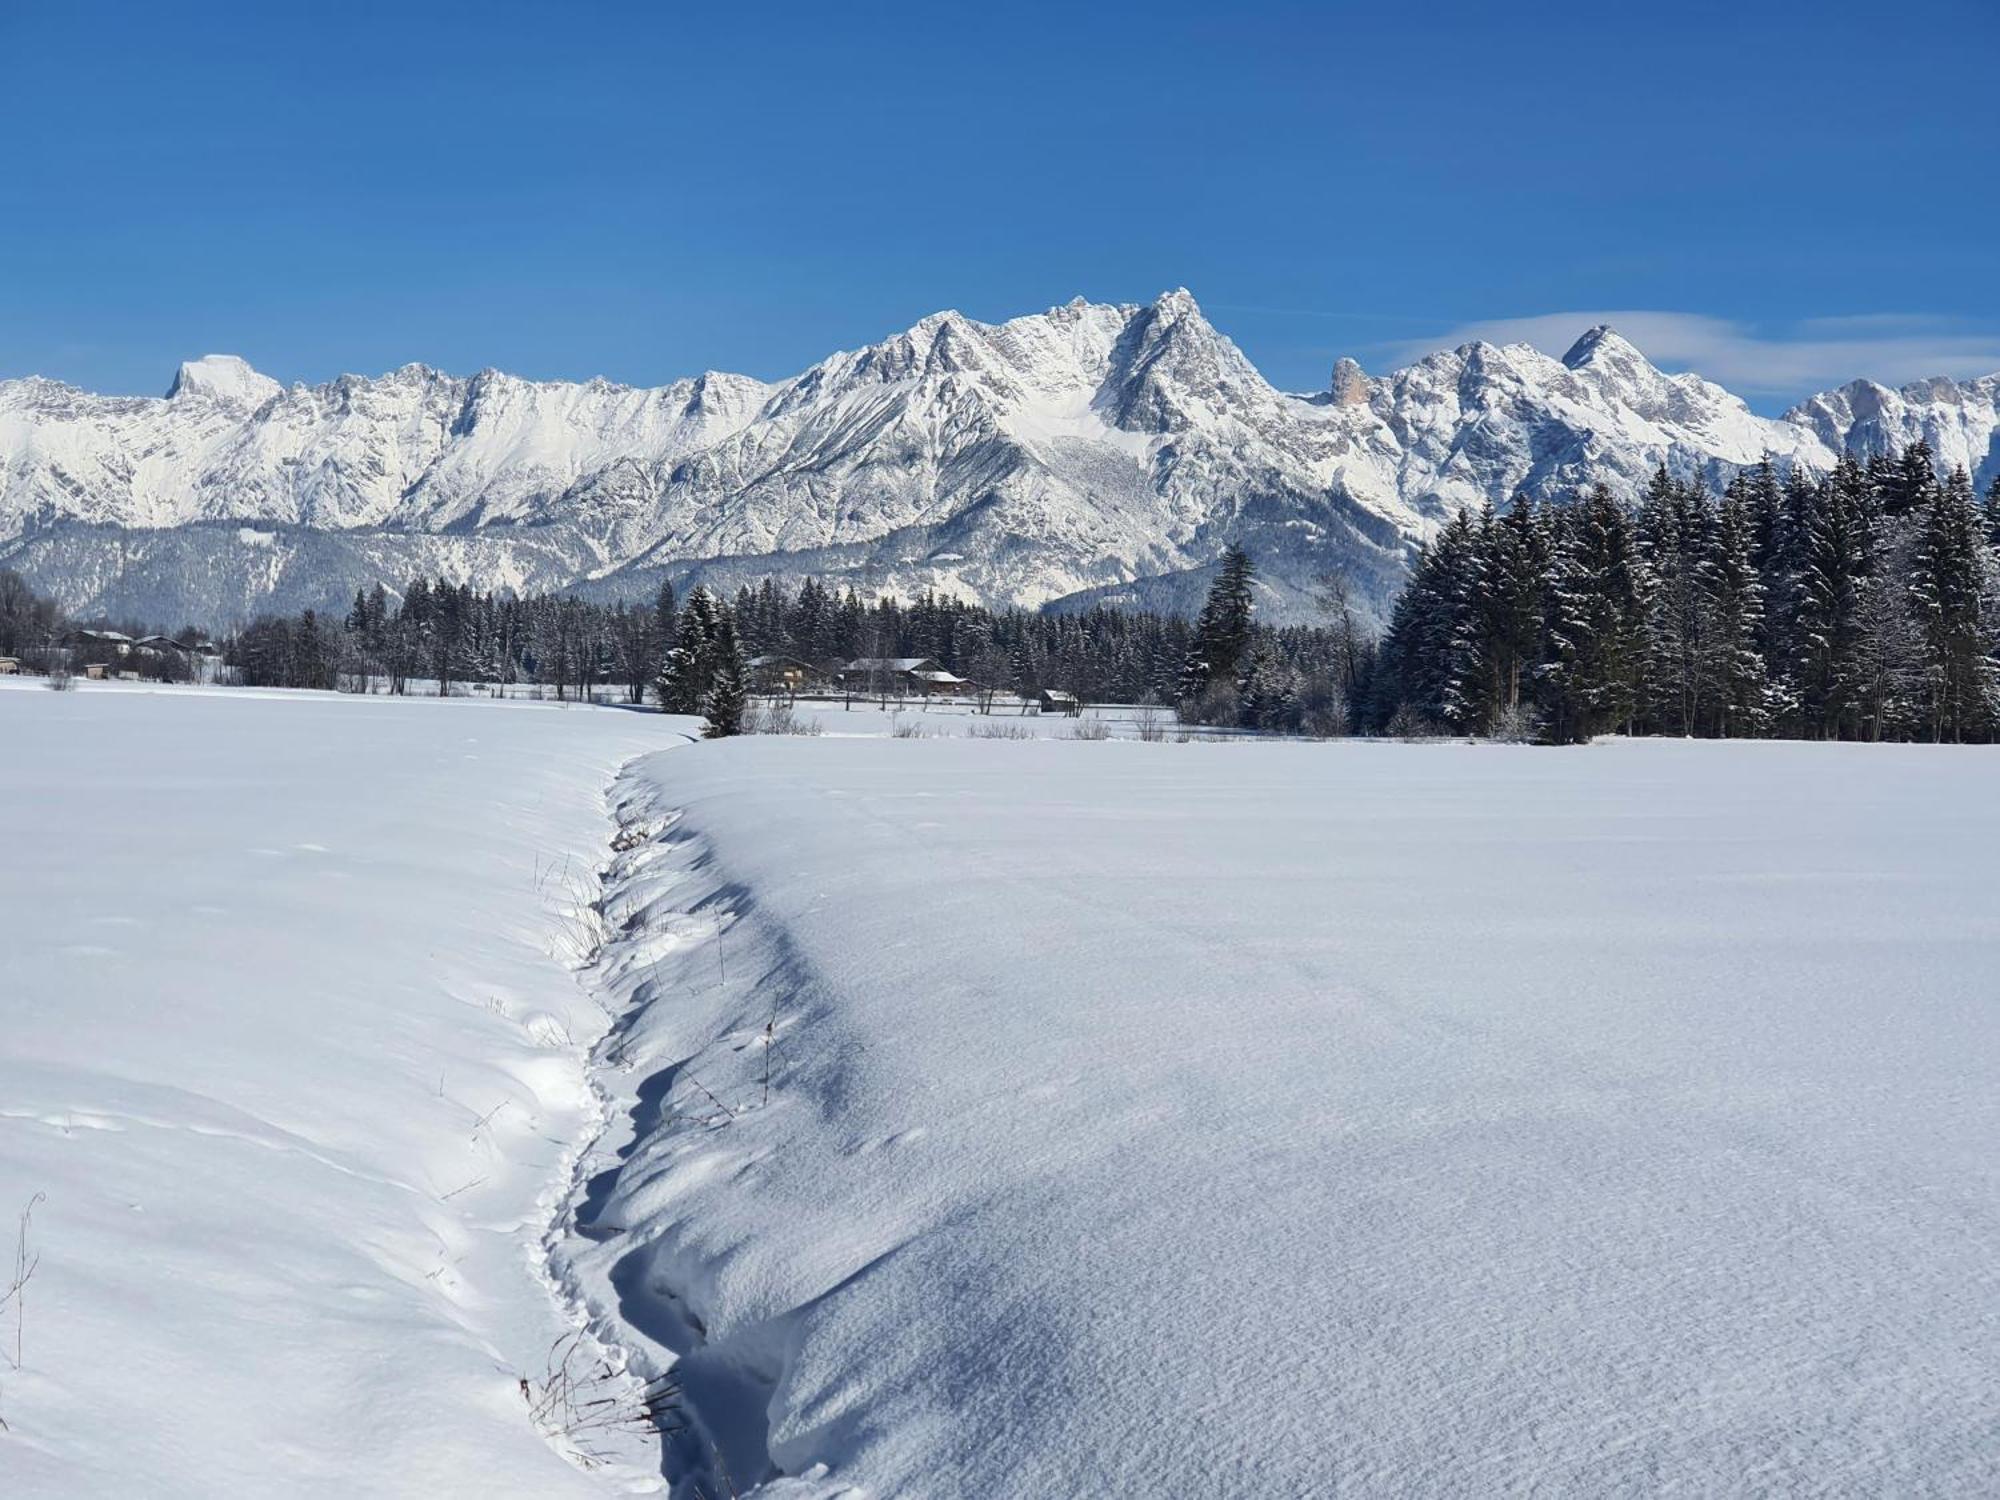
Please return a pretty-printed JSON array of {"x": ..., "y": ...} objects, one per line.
[
  {"x": 1862, "y": 605},
  {"x": 437, "y": 634},
  {"x": 28, "y": 621}
]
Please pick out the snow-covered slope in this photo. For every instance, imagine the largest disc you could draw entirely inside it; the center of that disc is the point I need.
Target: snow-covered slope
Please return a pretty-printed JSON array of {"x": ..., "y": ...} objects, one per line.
[
  {"x": 1960, "y": 419},
  {"x": 1086, "y": 448},
  {"x": 1281, "y": 1120}
]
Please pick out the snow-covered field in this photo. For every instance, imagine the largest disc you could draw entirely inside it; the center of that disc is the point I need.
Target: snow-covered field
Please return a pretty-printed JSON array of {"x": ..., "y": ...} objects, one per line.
[
  {"x": 990, "y": 1118},
  {"x": 290, "y": 1052},
  {"x": 1314, "y": 1119}
]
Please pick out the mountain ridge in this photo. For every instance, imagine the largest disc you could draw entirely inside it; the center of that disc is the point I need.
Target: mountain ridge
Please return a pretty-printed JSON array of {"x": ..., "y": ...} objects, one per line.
[{"x": 1089, "y": 451}]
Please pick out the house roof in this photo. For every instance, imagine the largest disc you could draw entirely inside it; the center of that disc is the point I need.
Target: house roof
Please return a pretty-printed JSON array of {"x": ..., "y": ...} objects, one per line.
[
  {"x": 892, "y": 664},
  {"x": 940, "y": 677},
  {"x": 777, "y": 661}
]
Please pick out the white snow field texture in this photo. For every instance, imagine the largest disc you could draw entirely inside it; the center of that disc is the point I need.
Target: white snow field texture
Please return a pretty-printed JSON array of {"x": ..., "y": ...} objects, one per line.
[
  {"x": 1285, "y": 1119},
  {"x": 957, "y": 1117},
  {"x": 290, "y": 1049}
]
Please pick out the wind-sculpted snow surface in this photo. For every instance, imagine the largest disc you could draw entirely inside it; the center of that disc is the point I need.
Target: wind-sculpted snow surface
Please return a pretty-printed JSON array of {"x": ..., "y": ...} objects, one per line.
[
  {"x": 291, "y": 1050},
  {"x": 1160, "y": 1119},
  {"x": 1078, "y": 452}
]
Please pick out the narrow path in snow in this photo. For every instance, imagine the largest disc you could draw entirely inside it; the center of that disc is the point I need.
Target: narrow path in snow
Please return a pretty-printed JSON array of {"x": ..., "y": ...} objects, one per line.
[{"x": 660, "y": 929}]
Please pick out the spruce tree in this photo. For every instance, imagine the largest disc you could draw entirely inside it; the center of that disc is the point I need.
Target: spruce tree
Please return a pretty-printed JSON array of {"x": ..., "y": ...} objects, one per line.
[
  {"x": 1785, "y": 520},
  {"x": 1514, "y": 603},
  {"x": 684, "y": 680},
  {"x": 1733, "y": 595},
  {"x": 1674, "y": 527},
  {"x": 1222, "y": 631},
  {"x": 1469, "y": 668},
  {"x": 1949, "y": 590},
  {"x": 1598, "y": 629},
  {"x": 722, "y": 704},
  {"x": 1424, "y": 652},
  {"x": 1836, "y": 548},
  {"x": 1906, "y": 483}
]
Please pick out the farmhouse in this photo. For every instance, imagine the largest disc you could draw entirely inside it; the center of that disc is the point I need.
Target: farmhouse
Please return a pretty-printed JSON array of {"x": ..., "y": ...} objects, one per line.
[
  {"x": 783, "y": 674},
  {"x": 897, "y": 674},
  {"x": 917, "y": 676},
  {"x": 115, "y": 642},
  {"x": 166, "y": 645}
]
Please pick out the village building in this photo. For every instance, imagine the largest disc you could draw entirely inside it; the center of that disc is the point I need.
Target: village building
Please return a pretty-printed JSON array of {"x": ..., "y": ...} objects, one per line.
[
  {"x": 941, "y": 683},
  {"x": 887, "y": 674},
  {"x": 165, "y": 645},
  {"x": 905, "y": 676},
  {"x": 783, "y": 674},
  {"x": 108, "y": 642}
]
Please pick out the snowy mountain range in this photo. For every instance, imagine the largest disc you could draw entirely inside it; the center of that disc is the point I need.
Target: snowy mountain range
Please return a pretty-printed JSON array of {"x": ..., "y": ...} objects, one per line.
[{"x": 1090, "y": 451}]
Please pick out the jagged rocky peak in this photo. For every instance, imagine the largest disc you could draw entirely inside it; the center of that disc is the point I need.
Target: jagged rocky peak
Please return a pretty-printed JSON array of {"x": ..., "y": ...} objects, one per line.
[
  {"x": 1626, "y": 377},
  {"x": 1171, "y": 370},
  {"x": 1602, "y": 345},
  {"x": 1351, "y": 385},
  {"x": 1088, "y": 445},
  {"x": 223, "y": 377}
]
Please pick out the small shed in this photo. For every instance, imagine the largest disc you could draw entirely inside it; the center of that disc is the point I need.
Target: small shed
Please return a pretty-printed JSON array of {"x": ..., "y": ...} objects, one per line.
[
  {"x": 9, "y": 665},
  {"x": 939, "y": 683},
  {"x": 1056, "y": 701}
]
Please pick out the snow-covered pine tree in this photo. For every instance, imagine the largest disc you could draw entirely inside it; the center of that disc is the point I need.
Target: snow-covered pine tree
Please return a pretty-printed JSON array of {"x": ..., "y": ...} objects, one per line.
[
  {"x": 1888, "y": 672},
  {"x": 1784, "y": 516},
  {"x": 1221, "y": 633},
  {"x": 1733, "y": 595},
  {"x": 1467, "y": 702},
  {"x": 723, "y": 701},
  {"x": 1597, "y": 630},
  {"x": 1949, "y": 580},
  {"x": 690, "y": 663},
  {"x": 1905, "y": 484},
  {"x": 1674, "y": 531},
  {"x": 1764, "y": 502},
  {"x": 1836, "y": 554},
  {"x": 1513, "y": 598},
  {"x": 1420, "y": 651}
]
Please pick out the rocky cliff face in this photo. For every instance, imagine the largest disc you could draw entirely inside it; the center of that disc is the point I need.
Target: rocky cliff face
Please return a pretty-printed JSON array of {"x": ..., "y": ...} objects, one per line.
[{"x": 1097, "y": 451}]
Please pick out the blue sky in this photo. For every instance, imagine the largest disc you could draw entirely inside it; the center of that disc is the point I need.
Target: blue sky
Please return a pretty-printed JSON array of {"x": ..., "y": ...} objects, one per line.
[{"x": 1780, "y": 196}]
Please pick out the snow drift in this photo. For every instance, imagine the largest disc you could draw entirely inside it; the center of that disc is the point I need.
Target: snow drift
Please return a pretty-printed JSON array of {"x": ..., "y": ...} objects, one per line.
[{"x": 1284, "y": 1119}]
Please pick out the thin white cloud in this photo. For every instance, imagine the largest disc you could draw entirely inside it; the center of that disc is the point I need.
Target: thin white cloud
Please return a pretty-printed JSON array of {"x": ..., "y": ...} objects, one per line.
[{"x": 1810, "y": 355}]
